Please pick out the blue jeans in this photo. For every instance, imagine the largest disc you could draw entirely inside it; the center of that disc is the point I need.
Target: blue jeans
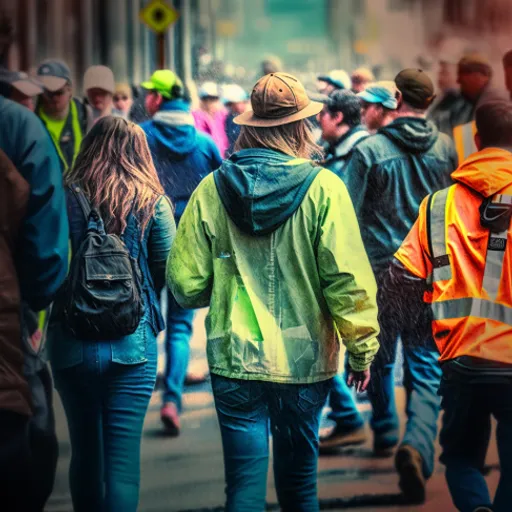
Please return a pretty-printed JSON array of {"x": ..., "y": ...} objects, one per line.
[
  {"x": 177, "y": 349},
  {"x": 105, "y": 404},
  {"x": 468, "y": 405},
  {"x": 422, "y": 375},
  {"x": 245, "y": 410},
  {"x": 343, "y": 406}
]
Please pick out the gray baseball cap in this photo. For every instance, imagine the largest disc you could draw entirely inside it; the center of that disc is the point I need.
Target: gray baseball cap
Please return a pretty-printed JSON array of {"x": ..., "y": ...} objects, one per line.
[
  {"x": 22, "y": 82},
  {"x": 54, "y": 74}
]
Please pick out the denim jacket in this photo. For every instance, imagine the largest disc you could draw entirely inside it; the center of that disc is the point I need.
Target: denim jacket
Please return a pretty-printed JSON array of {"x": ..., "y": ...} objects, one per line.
[{"x": 65, "y": 350}]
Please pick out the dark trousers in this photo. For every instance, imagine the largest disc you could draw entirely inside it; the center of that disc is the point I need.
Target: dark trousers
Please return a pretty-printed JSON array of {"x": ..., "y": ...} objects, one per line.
[
  {"x": 29, "y": 451},
  {"x": 468, "y": 404},
  {"x": 248, "y": 410}
]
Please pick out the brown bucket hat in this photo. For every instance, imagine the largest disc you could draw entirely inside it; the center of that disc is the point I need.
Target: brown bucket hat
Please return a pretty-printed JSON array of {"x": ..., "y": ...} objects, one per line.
[{"x": 277, "y": 99}]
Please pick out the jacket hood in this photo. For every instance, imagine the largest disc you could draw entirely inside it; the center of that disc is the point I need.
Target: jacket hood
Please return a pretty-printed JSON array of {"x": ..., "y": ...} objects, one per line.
[
  {"x": 488, "y": 172},
  {"x": 174, "y": 130},
  {"x": 261, "y": 188},
  {"x": 414, "y": 134}
]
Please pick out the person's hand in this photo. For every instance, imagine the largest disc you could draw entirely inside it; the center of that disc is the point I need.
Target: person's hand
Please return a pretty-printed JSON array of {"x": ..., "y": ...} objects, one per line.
[{"x": 359, "y": 380}]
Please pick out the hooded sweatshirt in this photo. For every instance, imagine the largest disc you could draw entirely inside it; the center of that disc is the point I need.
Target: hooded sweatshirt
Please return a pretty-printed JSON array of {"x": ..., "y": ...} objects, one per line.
[
  {"x": 388, "y": 176},
  {"x": 271, "y": 244},
  {"x": 182, "y": 155}
]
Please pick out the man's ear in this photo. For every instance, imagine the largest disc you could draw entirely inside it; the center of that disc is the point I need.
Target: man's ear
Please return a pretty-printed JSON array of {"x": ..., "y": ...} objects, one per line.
[
  {"x": 339, "y": 118},
  {"x": 159, "y": 99},
  {"x": 399, "y": 99},
  {"x": 478, "y": 141}
]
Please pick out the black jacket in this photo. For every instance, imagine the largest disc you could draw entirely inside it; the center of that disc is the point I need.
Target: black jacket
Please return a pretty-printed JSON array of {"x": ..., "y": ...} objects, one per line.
[
  {"x": 388, "y": 176},
  {"x": 337, "y": 155}
]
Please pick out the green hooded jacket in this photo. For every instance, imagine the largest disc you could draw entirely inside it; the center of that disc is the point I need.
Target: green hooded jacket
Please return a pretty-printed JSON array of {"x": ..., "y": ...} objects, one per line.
[{"x": 271, "y": 244}]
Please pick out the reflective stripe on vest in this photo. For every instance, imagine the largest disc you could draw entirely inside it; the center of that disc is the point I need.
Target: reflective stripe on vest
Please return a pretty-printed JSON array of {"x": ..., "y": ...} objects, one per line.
[
  {"x": 440, "y": 260},
  {"x": 464, "y": 138},
  {"x": 495, "y": 255},
  {"x": 462, "y": 308}
]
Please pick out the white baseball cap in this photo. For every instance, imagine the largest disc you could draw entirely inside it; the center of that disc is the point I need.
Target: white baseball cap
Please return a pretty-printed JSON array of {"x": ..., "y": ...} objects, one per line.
[
  {"x": 99, "y": 77},
  {"x": 233, "y": 93},
  {"x": 209, "y": 90}
]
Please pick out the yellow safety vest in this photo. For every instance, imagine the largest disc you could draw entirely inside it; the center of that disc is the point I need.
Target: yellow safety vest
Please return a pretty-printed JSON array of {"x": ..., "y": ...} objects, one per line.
[
  {"x": 77, "y": 133},
  {"x": 464, "y": 137}
]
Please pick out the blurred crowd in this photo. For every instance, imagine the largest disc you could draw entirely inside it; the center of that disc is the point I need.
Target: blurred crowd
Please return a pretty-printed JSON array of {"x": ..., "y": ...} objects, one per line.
[{"x": 390, "y": 144}]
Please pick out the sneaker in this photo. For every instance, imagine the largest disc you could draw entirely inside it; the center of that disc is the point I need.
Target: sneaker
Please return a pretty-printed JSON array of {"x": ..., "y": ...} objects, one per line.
[
  {"x": 409, "y": 464},
  {"x": 384, "y": 444},
  {"x": 337, "y": 438},
  {"x": 171, "y": 419}
]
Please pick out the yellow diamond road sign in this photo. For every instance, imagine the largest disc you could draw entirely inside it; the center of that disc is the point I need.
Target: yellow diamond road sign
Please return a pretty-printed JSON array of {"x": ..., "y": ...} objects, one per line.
[{"x": 159, "y": 15}]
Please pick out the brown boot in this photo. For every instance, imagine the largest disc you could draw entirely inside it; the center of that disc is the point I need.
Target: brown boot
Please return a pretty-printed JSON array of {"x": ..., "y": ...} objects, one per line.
[
  {"x": 409, "y": 464},
  {"x": 338, "y": 438},
  {"x": 171, "y": 419}
]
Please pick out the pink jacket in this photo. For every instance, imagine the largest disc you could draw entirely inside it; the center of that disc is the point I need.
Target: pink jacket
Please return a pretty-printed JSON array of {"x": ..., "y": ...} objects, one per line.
[{"x": 214, "y": 126}]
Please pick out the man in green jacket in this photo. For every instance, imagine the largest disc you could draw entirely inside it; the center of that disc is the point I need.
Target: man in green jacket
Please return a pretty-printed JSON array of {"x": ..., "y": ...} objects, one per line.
[{"x": 271, "y": 243}]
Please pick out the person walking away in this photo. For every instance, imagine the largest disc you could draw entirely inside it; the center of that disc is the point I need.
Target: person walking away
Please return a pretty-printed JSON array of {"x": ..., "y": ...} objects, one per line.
[
  {"x": 19, "y": 87},
  {"x": 183, "y": 156},
  {"x": 378, "y": 104},
  {"x": 210, "y": 117},
  {"x": 99, "y": 87},
  {"x": 271, "y": 64},
  {"x": 123, "y": 100},
  {"x": 450, "y": 102},
  {"x": 474, "y": 75},
  {"x": 34, "y": 264},
  {"x": 66, "y": 118},
  {"x": 236, "y": 101},
  {"x": 457, "y": 254},
  {"x": 335, "y": 80},
  {"x": 340, "y": 122},
  {"x": 282, "y": 276},
  {"x": 387, "y": 177},
  {"x": 361, "y": 77},
  {"x": 106, "y": 384}
]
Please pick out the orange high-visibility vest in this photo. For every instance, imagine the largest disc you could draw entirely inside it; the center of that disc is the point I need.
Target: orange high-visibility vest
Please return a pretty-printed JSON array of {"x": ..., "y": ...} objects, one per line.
[
  {"x": 464, "y": 139},
  {"x": 469, "y": 272}
]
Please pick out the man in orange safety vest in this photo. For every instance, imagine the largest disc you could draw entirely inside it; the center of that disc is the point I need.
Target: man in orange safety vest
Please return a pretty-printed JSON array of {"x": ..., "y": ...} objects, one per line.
[{"x": 457, "y": 259}]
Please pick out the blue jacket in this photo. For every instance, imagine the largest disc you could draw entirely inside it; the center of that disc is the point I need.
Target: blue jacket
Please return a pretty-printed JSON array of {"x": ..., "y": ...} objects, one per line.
[
  {"x": 42, "y": 260},
  {"x": 65, "y": 350},
  {"x": 388, "y": 176},
  {"x": 182, "y": 155}
]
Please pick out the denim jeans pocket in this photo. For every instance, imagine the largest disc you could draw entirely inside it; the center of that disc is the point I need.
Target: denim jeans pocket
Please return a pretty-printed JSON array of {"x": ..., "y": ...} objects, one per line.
[
  {"x": 312, "y": 396},
  {"x": 231, "y": 392}
]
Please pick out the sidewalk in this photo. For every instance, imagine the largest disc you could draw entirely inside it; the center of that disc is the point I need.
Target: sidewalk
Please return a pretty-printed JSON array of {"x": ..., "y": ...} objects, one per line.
[{"x": 186, "y": 473}]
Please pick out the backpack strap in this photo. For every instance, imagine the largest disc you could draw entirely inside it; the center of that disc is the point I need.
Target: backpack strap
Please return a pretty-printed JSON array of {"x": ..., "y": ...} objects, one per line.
[
  {"x": 95, "y": 220},
  {"x": 85, "y": 206}
]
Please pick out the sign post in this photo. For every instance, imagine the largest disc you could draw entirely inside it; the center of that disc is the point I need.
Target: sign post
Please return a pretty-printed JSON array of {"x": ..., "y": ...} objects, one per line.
[{"x": 159, "y": 15}]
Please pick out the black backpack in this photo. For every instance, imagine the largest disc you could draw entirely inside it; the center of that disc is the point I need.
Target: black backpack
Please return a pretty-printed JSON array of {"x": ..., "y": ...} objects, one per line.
[{"x": 103, "y": 292}]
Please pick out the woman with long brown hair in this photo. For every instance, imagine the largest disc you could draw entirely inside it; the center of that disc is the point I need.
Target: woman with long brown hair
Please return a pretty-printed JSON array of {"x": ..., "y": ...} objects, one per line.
[
  {"x": 279, "y": 259},
  {"x": 106, "y": 386}
]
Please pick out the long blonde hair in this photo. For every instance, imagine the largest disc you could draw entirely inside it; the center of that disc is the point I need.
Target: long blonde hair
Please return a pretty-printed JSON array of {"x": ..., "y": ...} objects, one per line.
[
  {"x": 115, "y": 169},
  {"x": 294, "y": 139}
]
